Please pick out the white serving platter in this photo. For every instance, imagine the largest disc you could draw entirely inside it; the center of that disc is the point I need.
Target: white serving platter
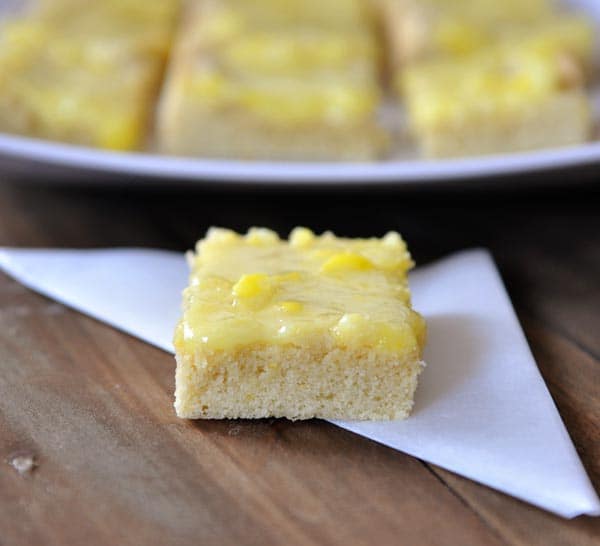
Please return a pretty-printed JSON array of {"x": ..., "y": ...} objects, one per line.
[
  {"x": 51, "y": 162},
  {"x": 28, "y": 158}
]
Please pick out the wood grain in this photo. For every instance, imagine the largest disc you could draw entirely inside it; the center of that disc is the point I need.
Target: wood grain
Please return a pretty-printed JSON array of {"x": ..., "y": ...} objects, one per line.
[{"x": 114, "y": 465}]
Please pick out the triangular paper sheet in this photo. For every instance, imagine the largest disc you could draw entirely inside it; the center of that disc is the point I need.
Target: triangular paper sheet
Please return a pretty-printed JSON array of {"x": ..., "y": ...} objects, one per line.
[{"x": 482, "y": 409}]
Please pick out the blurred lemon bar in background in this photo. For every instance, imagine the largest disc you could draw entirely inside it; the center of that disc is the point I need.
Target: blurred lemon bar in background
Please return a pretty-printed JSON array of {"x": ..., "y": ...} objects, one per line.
[
  {"x": 481, "y": 76},
  {"x": 289, "y": 79},
  {"x": 85, "y": 72},
  {"x": 520, "y": 93}
]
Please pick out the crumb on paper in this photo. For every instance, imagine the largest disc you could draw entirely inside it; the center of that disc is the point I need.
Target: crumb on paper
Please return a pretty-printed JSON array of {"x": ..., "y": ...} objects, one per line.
[{"x": 23, "y": 463}]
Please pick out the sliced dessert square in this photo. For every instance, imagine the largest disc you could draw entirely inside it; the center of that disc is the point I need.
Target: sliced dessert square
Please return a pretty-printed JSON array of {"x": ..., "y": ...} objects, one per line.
[
  {"x": 85, "y": 72},
  {"x": 288, "y": 80},
  {"x": 313, "y": 326},
  {"x": 513, "y": 96}
]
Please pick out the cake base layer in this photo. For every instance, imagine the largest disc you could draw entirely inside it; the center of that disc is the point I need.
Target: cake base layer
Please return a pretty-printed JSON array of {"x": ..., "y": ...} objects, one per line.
[
  {"x": 236, "y": 135},
  {"x": 321, "y": 380},
  {"x": 561, "y": 120}
]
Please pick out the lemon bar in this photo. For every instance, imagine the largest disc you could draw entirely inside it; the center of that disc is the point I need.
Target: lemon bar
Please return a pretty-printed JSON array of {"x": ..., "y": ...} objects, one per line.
[
  {"x": 290, "y": 80},
  {"x": 515, "y": 96},
  {"x": 313, "y": 326},
  {"x": 85, "y": 72}
]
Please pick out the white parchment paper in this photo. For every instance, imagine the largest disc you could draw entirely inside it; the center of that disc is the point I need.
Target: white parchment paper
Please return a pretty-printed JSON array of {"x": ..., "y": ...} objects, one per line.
[{"x": 482, "y": 409}]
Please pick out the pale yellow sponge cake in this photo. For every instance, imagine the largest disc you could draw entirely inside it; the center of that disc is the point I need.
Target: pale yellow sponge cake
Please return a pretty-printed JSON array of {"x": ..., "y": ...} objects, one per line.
[
  {"x": 282, "y": 80},
  {"x": 518, "y": 95},
  {"x": 312, "y": 326},
  {"x": 85, "y": 72}
]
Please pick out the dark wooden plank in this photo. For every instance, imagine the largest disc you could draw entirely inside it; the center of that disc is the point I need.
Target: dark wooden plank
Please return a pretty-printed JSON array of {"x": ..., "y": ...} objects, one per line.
[{"x": 114, "y": 464}]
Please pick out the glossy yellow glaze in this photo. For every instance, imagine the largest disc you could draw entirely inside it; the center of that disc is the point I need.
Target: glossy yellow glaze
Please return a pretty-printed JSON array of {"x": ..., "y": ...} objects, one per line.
[
  {"x": 289, "y": 102},
  {"x": 259, "y": 289},
  {"x": 458, "y": 27},
  {"x": 465, "y": 26},
  {"x": 500, "y": 80},
  {"x": 284, "y": 70}
]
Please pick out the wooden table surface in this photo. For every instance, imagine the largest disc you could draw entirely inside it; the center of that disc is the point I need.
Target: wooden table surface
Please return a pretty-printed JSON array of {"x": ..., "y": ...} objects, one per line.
[{"x": 113, "y": 465}]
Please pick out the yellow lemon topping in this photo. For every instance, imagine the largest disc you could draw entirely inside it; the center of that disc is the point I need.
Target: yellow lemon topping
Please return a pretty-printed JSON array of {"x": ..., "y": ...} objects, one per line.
[
  {"x": 502, "y": 80},
  {"x": 258, "y": 288},
  {"x": 286, "y": 69}
]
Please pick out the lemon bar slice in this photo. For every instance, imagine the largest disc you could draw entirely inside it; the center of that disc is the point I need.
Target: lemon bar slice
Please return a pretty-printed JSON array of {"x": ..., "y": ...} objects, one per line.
[
  {"x": 274, "y": 80},
  {"x": 515, "y": 96},
  {"x": 85, "y": 72},
  {"x": 313, "y": 326}
]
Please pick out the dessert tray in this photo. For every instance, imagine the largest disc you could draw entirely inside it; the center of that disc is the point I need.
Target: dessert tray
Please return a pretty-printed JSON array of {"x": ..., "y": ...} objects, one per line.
[{"x": 25, "y": 158}]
